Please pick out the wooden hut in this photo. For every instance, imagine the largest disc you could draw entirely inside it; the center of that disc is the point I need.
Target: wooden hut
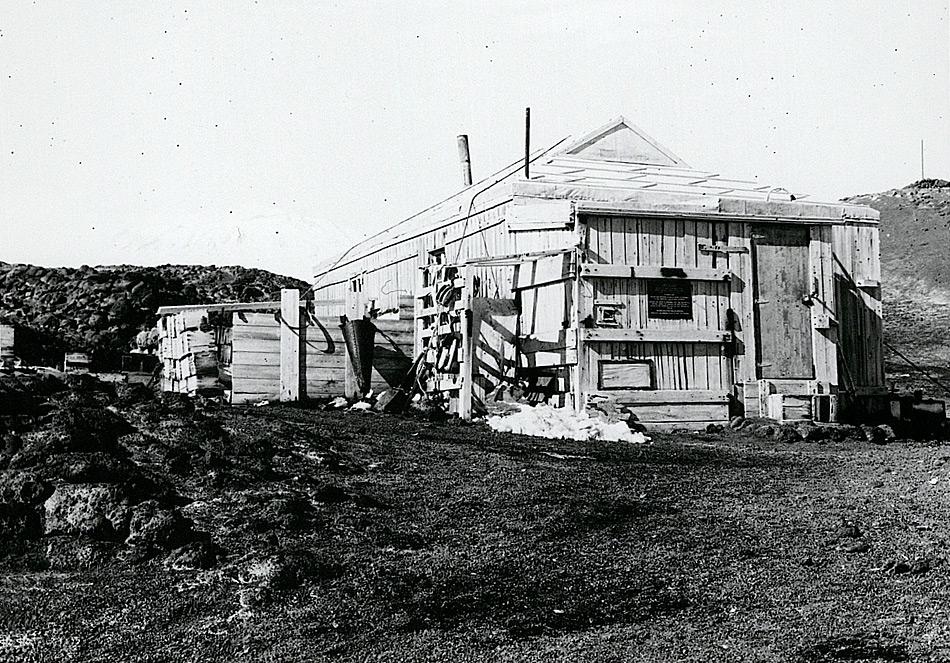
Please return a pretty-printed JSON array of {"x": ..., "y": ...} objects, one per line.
[{"x": 609, "y": 273}]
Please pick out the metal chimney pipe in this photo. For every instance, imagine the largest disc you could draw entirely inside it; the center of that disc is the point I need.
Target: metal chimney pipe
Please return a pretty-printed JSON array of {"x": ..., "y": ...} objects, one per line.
[
  {"x": 527, "y": 142},
  {"x": 465, "y": 160}
]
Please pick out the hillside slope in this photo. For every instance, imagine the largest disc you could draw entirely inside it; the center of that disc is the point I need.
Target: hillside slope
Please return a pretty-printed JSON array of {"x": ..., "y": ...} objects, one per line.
[
  {"x": 915, "y": 266},
  {"x": 915, "y": 238},
  {"x": 100, "y": 309}
]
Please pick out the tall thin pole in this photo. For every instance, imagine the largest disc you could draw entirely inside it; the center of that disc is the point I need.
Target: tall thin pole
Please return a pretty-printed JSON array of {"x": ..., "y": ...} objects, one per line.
[{"x": 527, "y": 142}]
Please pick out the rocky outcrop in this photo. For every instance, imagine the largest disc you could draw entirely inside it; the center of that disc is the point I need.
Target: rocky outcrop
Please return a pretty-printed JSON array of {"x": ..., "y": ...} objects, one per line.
[
  {"x": 96, "y": 510},
  {"x": 154, "y": 525},
  {"x": 100, "y": 310}
]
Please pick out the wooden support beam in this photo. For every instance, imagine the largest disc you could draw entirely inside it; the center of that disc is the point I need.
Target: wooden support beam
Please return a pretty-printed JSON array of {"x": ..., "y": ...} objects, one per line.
[
  {"x": 606, "y": 335},
  {"x": 665, "y": 395},
  {"x": 599, "y": 270},
  {"x": 576, "y": 370},
  {"x": 722, "y": 248},
  {"x": 221, "y": 308},
  {"x": 290, "y": 345}
]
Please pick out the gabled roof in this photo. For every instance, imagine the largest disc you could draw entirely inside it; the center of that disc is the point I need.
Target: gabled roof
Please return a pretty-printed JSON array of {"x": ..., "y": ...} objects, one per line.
[
  {"x": 617, "y": 162},
  {"x": 571, "y": 170},
  {"x": 620, "y": 155},
  {"x": 622, "y": 141}
]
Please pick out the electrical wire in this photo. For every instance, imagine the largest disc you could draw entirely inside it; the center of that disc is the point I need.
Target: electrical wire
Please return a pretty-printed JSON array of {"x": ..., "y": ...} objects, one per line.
[
  {"x": 854, "y": 284},
  {"x": 471, "y": 202},
  {"x": 917, "y": 368}
]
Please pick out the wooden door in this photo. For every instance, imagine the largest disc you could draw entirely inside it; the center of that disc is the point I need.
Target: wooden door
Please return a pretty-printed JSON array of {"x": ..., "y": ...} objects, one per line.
[{"x": 783, "y": 328}]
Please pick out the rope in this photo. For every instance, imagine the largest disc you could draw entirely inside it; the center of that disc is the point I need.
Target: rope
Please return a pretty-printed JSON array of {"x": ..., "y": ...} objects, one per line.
[
  {"x": 854, "y": 284},
  {"x": 296, "y": 333},
  {"x": 917, "y": 368}
]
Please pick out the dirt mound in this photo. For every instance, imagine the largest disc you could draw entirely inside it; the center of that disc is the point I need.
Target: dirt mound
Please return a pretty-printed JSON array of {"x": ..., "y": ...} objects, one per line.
[{"x": 99, "y": 310}]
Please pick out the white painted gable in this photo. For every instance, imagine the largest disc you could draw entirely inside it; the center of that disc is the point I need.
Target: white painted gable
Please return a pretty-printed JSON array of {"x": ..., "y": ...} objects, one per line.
[{"x": 623, "y": 142}]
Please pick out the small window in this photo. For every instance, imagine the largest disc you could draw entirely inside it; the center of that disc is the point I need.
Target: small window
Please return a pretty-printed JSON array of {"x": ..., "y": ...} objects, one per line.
[
  {"x": 437, "y": 256},
  {"x": 634, "y": 374},
  {"x": 608, "y": 314}
]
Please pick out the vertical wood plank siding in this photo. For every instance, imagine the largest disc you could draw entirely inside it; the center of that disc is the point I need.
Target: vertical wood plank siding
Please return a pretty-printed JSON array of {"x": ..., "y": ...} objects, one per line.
[
  {"x": 661, "y": 243},
  {"x": 857, "y": 274},
  {"x": 391, "y": 272},
  {"x": 255, "y": 356}
]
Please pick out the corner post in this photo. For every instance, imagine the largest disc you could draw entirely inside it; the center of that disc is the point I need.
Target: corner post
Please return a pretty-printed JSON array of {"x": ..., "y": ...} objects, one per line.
[
  {"x": 467, "y": 346},
  {"x": 289, "y": 345}
]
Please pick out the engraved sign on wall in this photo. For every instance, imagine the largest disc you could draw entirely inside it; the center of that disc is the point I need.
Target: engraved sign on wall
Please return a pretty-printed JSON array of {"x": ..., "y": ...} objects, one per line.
[{"x": 669, "y": 299}]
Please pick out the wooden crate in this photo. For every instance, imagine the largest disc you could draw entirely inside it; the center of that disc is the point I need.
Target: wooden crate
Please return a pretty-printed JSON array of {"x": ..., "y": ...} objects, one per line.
[
  {"x": 790, "y": 407},
  {"x": 7, "y": 338}
]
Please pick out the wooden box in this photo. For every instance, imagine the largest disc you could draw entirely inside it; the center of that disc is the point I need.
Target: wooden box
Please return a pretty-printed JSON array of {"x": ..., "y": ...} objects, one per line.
[{"x": 789, "y": 407}]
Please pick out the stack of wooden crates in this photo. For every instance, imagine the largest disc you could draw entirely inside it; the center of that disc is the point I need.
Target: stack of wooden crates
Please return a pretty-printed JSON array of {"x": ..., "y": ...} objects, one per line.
[
  {"x": 189, "y": 354},
  {"x": 6, "y": 343}
]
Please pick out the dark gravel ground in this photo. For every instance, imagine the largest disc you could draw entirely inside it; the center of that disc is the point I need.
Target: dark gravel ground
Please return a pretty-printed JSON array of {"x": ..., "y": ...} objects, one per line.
[{"x": 357, "y": 537}]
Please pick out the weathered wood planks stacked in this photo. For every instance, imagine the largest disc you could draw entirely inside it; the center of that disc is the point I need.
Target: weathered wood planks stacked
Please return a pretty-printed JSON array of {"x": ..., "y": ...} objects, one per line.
[
  {"x": 6, "y": 342},
  {"x": 189, "y": 355}
]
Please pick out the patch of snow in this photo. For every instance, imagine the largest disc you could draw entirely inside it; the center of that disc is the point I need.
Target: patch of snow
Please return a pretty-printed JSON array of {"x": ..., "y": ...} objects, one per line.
[{"x": 563, "y": 423}]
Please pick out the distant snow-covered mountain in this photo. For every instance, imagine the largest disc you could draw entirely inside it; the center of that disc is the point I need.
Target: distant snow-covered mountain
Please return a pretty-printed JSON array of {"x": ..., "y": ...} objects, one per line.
[{"x": 278, "y": 243}]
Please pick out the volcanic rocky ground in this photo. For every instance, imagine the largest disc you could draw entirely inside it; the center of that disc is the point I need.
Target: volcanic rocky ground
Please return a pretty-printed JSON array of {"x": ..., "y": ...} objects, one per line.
[{"x": 164, "y": 529}]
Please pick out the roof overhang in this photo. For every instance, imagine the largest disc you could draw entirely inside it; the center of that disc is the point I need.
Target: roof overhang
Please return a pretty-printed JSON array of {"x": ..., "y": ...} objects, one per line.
[{"x": 587, "y": 199}]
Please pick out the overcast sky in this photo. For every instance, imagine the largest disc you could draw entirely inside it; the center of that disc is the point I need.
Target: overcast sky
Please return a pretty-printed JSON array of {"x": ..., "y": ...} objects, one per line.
[{"x": 277, "y": 133}]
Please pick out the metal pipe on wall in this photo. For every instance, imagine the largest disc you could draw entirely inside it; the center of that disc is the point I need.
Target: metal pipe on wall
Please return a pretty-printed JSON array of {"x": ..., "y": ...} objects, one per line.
[
  {"x": 527, "y": 142},
  {"x": 465, "y": 160}
]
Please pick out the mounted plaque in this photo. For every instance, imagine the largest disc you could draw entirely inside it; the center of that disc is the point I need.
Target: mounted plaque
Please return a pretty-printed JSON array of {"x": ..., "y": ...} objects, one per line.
[{"x": 669, "y": 299}]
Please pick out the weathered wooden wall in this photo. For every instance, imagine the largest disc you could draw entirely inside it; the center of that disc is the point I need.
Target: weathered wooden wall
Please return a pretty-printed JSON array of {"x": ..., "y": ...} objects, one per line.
[
  {"x": 857, "y": 278},
  {"x": 714, "y": 354},
  {"x": 671, "y": 243},
  {"x": 255, "y": 356},
  {"x": 392, "y": 271}
]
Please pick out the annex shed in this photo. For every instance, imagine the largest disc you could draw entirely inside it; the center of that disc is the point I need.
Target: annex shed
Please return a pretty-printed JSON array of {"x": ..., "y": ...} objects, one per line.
[{"x": 613, "y": 274}]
